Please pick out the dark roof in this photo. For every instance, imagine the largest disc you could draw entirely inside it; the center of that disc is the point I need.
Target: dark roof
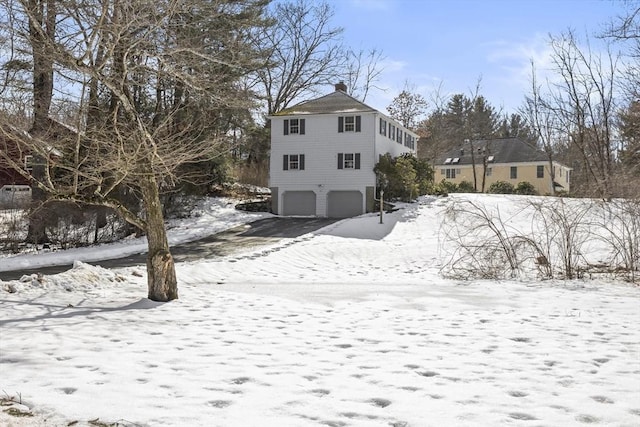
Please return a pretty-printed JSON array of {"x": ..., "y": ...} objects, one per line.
[
  {"x": 505, "y": 150},
  {"x": 335, "y": 102}
]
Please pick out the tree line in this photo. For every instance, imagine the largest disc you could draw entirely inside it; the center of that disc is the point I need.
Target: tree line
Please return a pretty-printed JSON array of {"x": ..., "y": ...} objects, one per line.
[{"x": 585, "y": 113}]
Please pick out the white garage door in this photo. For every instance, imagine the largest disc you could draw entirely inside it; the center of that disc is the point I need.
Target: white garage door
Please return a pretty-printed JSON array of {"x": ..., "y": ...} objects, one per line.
[
  {"x": 299, "y": 203},
  {"x": 344, "y": 204}
]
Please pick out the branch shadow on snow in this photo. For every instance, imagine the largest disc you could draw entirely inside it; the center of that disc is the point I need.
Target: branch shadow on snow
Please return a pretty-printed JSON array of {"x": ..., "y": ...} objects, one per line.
[{"x": 69, "y": 312}]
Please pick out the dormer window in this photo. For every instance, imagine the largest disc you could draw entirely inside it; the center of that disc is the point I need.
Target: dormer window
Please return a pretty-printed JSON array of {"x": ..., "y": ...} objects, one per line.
[
  {"x": 456, "y": 160},
  {"x": 490, "y": 159},
  {"x": 447, "y": 160}
]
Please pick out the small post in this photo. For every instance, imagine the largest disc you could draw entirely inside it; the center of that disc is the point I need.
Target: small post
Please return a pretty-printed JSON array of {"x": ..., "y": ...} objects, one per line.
[{"x": 381, "y": 204}]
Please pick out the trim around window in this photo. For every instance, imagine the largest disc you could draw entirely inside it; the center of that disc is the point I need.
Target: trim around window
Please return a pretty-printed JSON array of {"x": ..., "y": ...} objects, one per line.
[
  {"x": 349, "y": 124},
  {"x": 348, "y": 160},
  {"x": 293, "y": 162},
  {"x": 294, "y": 126}
]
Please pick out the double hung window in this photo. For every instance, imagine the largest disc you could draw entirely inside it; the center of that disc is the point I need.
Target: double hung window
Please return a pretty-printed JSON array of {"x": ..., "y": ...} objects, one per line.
[
  {"x": 293, "y": 162},
  {"x": 348, "y": 160},
  {"x": 294, "y": 126},
  {"x": 349, "y": 124}
]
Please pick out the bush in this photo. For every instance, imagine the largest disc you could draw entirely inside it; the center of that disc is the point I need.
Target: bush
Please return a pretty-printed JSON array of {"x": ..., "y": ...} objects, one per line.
[
  {"x": 445, "y": 187},
  {"x": 466, "y": 187},
  {"x": 405, "y": 177},
  {"x": 501, "y": 187},
  {"x": 526, "y": 188}
]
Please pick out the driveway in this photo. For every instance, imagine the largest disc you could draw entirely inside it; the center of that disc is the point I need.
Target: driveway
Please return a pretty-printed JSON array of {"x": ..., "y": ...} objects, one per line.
[{"x": 245, "y": 237}]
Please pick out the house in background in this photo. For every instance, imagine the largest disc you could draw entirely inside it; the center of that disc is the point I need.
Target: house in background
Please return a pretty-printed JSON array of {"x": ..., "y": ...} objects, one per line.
[
  {"x": 509, "y": 159},
  {"x": 15, "y": 189},
  {"x": 323, "y": 152}
]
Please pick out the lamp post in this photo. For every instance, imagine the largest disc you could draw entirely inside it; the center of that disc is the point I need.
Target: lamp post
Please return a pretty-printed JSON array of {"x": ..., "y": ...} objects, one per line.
[{"x": 382, "y": 182}]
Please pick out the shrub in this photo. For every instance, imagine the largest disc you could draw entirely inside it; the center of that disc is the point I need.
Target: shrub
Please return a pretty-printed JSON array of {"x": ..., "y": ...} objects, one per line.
[
  {"x": 525, "y": 188},
  {"x": 405, "y": 177},
  {"x": 501, "y": 187},
  {"x": 445, "y": 187},
  {"x": 466, "y": 187}
]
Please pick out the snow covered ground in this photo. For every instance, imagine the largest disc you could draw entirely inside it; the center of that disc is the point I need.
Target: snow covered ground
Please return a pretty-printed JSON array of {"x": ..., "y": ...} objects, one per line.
[{"x": 348, "y": 326}]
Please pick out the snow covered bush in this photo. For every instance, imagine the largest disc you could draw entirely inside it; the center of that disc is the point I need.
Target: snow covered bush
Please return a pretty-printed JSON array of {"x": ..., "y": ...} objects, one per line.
[
  {"x": 478, "y": 242},
  {"x": 544, "y": 237},
  {"x": 619, "y": 222}
]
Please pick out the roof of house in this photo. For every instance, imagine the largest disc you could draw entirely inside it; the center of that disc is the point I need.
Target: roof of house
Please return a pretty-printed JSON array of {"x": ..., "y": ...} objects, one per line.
[
  {"x": 504, "y": 150},
  {"x": 335, "y": 102}
]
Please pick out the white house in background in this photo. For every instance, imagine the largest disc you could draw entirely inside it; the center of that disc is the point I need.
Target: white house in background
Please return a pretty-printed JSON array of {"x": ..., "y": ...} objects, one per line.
[{"x": 323, "y": 152}]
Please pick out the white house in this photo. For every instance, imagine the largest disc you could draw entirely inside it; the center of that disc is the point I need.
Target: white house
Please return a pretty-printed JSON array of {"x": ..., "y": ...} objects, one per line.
[{"x": 323, "y": 152}]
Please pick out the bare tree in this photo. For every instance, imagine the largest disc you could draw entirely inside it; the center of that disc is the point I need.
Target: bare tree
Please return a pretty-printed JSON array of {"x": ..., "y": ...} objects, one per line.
[
  {"x": 160, "y": 68},
  {"x": 408, "y": 107},
  {"x": 543, "y": 120},
  {"x": 362, "y": 72},
  {"x": 625, "y": 29},
  {"x": 304, "y": 53},
  {"x": 584, "y": 104}
]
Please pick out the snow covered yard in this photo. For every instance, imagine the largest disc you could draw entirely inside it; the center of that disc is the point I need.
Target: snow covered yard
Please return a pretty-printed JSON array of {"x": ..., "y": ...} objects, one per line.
[{"x": 349, "y": 326}]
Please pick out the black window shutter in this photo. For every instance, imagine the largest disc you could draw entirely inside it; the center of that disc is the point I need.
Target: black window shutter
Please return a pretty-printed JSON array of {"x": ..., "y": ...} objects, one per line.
[
  {"x": 340, "y": 161},
  {"x": 301, "y": 162},
  {"x": 357, "y": 123},
  {"x": 285, "y": 162},
  {"x": 301, "y": 126},
  {"x": 357, "y": 156},
  {"x": 340, "y": 124},
  {"x": 286, "y": 127}
]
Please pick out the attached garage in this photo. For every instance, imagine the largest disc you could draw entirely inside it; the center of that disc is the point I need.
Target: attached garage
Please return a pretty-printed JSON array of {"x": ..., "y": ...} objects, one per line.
[
  {"x": 301, "y": 203},
  {"x": 344, "y": 204}
]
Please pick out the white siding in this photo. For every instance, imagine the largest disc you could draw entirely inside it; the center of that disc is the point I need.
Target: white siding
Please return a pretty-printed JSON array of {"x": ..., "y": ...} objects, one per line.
[
  {"x": 321, "y": 144},
  {"x": 384, "y": 144}
]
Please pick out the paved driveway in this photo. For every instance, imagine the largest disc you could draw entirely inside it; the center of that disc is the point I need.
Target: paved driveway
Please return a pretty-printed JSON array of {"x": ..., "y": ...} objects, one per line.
[{"x": 245, "y": 237}]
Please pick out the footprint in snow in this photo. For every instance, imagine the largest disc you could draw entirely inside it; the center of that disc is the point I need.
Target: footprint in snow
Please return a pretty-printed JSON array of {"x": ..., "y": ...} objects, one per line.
[
  {"x": 219, "y": 403},
  {"x": 379, "y": 402}
]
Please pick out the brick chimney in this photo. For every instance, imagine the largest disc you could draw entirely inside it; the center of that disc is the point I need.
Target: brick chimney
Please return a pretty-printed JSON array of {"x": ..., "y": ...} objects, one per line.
[{"x": 341, "y": 86}]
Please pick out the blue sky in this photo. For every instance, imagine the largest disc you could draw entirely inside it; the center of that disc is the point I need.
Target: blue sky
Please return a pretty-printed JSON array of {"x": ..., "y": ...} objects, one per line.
[{"x": 452, "y": 44}]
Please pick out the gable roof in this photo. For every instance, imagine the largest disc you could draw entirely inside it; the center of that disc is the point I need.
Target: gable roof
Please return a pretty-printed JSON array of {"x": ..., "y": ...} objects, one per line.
[
  {"x": 335, "y": 102},
  {"x": 503, "y": 150}
]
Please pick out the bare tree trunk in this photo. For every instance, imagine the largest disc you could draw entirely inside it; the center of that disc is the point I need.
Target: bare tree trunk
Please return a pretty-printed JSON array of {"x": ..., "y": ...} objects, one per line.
[
  {"x": 161, "y": 273},
  {"x": 473, "y": 164},
  {"x": 42, "y": 25}
]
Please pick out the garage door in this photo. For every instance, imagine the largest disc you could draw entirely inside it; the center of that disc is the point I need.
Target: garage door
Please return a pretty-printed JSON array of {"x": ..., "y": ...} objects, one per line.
[
  {"x": 299, "y": 203},
  {"x": 344, "y": 204}
]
